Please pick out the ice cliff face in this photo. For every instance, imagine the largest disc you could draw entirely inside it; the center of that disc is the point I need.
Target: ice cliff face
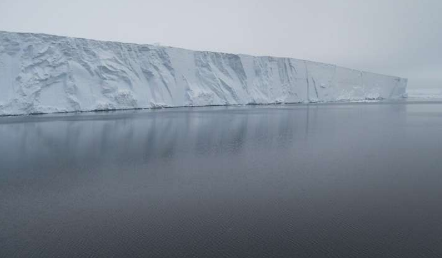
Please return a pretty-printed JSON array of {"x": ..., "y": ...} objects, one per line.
[{"x": 43, "y": 74}]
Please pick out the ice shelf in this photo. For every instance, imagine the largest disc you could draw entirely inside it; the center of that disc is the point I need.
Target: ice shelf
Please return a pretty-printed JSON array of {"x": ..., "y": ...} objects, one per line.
[{"x": 42, "y": 73}]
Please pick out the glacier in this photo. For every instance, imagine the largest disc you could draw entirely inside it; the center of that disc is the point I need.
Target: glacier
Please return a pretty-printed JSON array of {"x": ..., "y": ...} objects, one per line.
[{"x": 42, "y": 73}]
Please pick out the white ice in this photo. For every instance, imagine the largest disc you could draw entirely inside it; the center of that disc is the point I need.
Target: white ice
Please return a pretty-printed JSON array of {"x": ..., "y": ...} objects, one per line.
[{"x": 43, "y": 73}]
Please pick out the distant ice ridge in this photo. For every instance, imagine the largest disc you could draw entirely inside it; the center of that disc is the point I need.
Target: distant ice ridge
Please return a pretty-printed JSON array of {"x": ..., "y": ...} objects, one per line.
[
  {"x": 43, "y": 74},
  {"x": 425, "y": 94}
]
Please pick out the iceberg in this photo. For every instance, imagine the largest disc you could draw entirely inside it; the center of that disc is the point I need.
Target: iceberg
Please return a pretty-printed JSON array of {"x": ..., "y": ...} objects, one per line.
[
  {"x": 424, "y": 94},
  {"x": 42, "y": 73}
]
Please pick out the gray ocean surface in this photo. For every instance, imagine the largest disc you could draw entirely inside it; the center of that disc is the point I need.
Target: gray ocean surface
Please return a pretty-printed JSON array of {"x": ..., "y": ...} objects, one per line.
[{"x": 317, "y": 180}]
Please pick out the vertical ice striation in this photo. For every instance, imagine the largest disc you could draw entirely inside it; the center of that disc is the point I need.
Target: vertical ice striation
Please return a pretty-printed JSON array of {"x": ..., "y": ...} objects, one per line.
[{"x": 42, "y": 74}]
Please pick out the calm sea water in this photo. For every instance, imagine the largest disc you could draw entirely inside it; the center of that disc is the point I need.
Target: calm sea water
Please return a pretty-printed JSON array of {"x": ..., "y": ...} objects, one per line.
[{"x": 337, "y": 180}]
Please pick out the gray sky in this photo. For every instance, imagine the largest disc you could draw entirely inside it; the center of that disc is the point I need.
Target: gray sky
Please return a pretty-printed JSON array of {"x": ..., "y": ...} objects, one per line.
[{"x": 397, "y": 37}]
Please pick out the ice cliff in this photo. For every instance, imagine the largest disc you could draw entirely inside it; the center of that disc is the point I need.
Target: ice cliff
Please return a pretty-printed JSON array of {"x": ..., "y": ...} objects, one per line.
[{"x": 43, "y": 73}]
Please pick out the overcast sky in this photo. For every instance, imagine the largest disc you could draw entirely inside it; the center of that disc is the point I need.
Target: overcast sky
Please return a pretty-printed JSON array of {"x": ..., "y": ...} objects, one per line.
[{"x": 397, "y": 37}]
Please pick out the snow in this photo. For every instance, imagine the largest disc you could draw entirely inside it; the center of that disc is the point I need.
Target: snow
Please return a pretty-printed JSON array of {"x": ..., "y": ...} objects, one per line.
[{"x": 43, "y": 73}]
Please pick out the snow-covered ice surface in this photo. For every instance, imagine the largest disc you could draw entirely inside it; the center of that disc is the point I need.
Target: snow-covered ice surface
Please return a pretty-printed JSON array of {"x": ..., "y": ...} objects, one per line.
[{"x": 43, "y": 74}]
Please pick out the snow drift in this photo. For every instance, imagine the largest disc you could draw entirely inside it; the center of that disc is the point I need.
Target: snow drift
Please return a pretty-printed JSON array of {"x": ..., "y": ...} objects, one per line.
[{"x": 43, "y": 73}]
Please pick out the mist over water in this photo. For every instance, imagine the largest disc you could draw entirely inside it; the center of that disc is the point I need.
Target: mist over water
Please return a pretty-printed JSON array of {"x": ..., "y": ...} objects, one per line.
[{"x": 326, "y": 180}]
